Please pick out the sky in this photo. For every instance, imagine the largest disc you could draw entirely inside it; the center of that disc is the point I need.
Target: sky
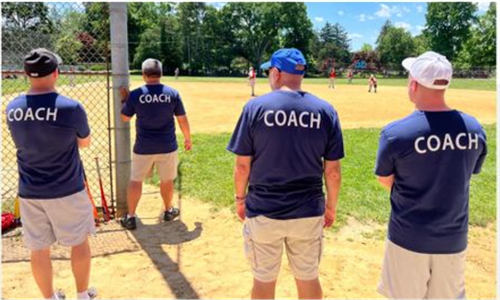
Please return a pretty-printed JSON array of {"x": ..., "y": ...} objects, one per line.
[{"x": 363, "y": 20}]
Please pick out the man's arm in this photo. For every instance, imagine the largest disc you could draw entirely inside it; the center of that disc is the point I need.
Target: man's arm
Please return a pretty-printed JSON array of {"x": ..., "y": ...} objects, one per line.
[
  {"x": 386, "y": 181},
  {"x": 184, "y": 125},
  {"x": 124, "y": 93},
  {"x": 333, "y": 180},
  {"x": 241, "y": 176},
  {"x": 84, "y": 143}
]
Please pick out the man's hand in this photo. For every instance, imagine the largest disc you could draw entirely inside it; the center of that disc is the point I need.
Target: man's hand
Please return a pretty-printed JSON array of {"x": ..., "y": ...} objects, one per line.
[
  {"x": 240, "y": 210},
  {"x": 330, "y": 216},
  {"x": 187, "y": 144},
  {"x": 124, "y": 93}
]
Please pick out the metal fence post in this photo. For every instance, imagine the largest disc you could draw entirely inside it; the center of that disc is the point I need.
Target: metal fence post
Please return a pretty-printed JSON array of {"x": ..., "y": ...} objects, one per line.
[{"x": 119, "y": 67}]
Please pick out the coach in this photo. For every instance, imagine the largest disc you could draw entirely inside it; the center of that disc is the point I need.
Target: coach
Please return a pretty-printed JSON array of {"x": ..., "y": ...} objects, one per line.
[
  {"x": 47, "y": 129},
  {"x": 427, "y": 160},
  {"x": 155, "y": 106},
  {"x": 285, "y": 141}
]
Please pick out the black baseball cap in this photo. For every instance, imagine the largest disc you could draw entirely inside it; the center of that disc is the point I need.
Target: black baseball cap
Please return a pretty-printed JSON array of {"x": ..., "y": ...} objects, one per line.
[{"x": 41, "y": 62}]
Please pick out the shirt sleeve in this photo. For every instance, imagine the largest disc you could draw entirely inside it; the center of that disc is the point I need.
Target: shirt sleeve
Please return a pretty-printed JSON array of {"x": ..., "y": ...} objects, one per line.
[
  {"x": 385, "y": 157},
  {"x": 179, "y": 107},
  {"x": 128, "y": 108},
  {"x": 482, "y": 156},
  {"x": 241, "y": 142},
  {"x": 335, "y": 145},
  {"x": 80, "y": 121}
]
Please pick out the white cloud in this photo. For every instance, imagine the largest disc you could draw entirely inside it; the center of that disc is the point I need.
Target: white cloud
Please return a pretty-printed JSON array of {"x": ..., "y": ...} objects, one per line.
[
  {"x": 341, "y": 12},
  {"x": 483, "y": 6},
  {"x": 403, "y": 25},
  {"x": 387, "y": 11},
  {"x": 420, "y": 8},
  {"x": 417, "y": 30},
  {"x": 218, "y": 5},
  {"x": 354, "y": 35},
  {"x": 362, "y": 17},
  {"x": 370, "y": 18},
  {"x": 319, "y": 19}
]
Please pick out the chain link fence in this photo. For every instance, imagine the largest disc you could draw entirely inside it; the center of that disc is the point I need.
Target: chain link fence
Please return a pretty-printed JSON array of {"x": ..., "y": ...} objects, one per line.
[{"x": 79, "y": 33}]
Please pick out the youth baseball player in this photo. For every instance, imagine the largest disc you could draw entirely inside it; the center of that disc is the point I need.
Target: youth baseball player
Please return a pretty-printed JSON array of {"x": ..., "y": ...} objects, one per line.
[
  {"x": 333, "y": 76},
  {"x": 155, "y": 106},
  {"x": 47, "y": 129},
  {"x": 372, "y": 82},
  {"x": 251, "y": 79},
  {"x": 285, "y": 142},
  {"x": 427, "y": 160},
  {"x": 176, "y": 73}
]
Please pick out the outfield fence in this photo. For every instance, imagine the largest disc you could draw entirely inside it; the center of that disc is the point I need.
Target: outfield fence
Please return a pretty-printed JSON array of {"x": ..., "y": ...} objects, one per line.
[{"x": 79, "y": 33}]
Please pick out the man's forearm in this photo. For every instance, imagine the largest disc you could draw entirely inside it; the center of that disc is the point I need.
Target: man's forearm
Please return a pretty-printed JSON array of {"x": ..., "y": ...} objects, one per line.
[
  {"x": 184, "y": 125},
  {"x": 241, "y": 182},
  {"x": 333, "y": 183}
]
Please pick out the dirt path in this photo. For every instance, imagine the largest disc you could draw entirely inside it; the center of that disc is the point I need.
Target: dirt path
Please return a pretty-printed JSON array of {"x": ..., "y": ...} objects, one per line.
[{"x": 207, "y": 244}]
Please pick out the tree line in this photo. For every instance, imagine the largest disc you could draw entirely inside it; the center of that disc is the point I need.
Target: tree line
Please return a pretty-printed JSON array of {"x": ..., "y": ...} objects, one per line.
[{"x": 200, "y": 39}]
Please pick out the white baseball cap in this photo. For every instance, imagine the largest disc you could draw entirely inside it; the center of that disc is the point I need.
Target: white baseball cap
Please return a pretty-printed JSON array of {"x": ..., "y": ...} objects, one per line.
[{"x": 430, "y": 69}]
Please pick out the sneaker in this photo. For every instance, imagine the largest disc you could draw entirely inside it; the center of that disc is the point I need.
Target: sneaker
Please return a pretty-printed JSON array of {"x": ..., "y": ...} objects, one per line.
[
  {"x": 128, "y": 222},
  {"x": 171, "y": 214},
  {"x": 59, "y": 294},
  {"x": 92, "y": 292}
]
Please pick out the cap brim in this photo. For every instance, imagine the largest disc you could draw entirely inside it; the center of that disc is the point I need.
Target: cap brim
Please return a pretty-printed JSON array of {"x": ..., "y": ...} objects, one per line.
[
  {"x": 408, "y": 62},
  {"x": 266, "y": 65}
]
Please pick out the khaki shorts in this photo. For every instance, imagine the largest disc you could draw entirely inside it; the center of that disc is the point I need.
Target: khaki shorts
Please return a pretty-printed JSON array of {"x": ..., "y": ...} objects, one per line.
[
  {"x": 67, "y": 220},
  {"x": 407, "y": 274},
  {"x": 166, "y": 164},
  {"x": 264, "y": 240}
]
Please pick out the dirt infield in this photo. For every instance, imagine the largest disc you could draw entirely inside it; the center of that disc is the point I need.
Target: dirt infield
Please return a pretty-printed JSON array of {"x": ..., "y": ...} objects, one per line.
[
  {"x": 208, "y": 244},
  {"x": 202, "y": 255}
]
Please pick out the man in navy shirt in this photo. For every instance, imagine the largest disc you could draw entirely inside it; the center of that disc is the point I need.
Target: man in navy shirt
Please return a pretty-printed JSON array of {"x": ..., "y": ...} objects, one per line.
[
  {"x": 285, "y": 142},
  {"x": 155, "y": 106},
  {"x": 427, "y": 160},
  {"x": 47, "y": 129}
]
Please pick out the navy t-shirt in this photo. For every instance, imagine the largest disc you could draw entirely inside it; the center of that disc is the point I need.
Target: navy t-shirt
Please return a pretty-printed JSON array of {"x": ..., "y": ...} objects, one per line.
[
  {"x": 288, "y": 134},
  {"x": 432, "y": 156},
  {"x": 45, "y": 128},
  {"x": 155, "y": 106}
]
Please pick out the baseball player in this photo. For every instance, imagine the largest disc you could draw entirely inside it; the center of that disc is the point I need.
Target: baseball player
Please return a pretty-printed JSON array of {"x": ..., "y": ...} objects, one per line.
[
  {"x": 349, "y": 76},
  {"x": 372, "y": 82},
  {"x": 155, "y": 106},
  {"x": 427, "y": 160},
  {"x": 251, "y": 79},
  {"x": 48, "y": 129},
  {"x": 285, "y": 142},
  {"x": 333, "y": 76},
  {"x": 176, "y": 73}
]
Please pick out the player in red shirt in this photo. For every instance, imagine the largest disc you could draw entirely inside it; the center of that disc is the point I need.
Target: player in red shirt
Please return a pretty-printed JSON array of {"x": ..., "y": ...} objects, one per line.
[{"x": 333, "y": 75}]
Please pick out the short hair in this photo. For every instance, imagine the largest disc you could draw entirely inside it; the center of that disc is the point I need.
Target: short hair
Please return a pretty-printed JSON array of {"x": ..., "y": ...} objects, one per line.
[{"x": 152, "y": 68}]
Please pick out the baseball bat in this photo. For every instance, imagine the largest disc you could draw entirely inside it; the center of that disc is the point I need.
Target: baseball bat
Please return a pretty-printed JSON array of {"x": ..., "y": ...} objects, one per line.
[
  {"x": 94, "y": 208},
  {"x": 104, "y": 203},
  {"x": 17, "y": 210}
]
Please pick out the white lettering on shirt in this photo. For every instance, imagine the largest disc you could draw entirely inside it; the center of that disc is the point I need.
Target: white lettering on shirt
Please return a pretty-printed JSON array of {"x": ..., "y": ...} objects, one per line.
[
  {"x": 281, "y": 118},
  {"x": 148, "y": 98},
  {"x": 39, "y": 114},
  {"x": 434, "y": 143}
]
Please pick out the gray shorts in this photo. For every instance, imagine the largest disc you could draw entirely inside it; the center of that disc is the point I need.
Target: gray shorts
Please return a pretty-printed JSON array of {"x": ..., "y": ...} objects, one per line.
[
  {"x": 67, "y": 220},
  {"x": 143, "y": 164},
  {"x": 407, "y": 274}
]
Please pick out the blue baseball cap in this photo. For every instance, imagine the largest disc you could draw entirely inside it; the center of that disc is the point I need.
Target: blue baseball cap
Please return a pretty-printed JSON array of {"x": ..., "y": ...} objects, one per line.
[{"x": 290, "y": 61}]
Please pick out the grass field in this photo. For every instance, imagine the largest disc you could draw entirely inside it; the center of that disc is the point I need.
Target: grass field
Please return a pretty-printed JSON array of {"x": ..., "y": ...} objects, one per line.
[
  {"x": 21, "y": 84},
  {"x": 208, "y": 175},
  {"x": 458, "y": 83}
]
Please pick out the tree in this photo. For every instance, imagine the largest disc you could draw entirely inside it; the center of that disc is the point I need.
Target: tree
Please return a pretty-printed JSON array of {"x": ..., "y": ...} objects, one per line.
[
  {"x": 33, "y": 16},
  {"x": 297, "y": 29},
  {"x": 421, "y": 44},
  {"x": 331, "y": 44},
  {"x": 480, "y": 49},
  {"x": 383, "y": 31},
  {"x": 448, "y": 26},
  {"x": 394, "y": 46},
  {"x": 366, "y": 48}
]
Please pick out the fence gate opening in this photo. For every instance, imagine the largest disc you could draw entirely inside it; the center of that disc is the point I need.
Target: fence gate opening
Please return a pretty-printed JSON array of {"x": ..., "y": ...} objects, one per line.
[{"x": 79, "y": 34}]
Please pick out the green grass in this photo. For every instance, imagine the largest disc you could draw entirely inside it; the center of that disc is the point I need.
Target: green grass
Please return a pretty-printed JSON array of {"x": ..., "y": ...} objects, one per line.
[
  {"x": 10, "y": 86},
  {"x": 207, "y": 174},
  {"x": 458, "y": 83}
]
